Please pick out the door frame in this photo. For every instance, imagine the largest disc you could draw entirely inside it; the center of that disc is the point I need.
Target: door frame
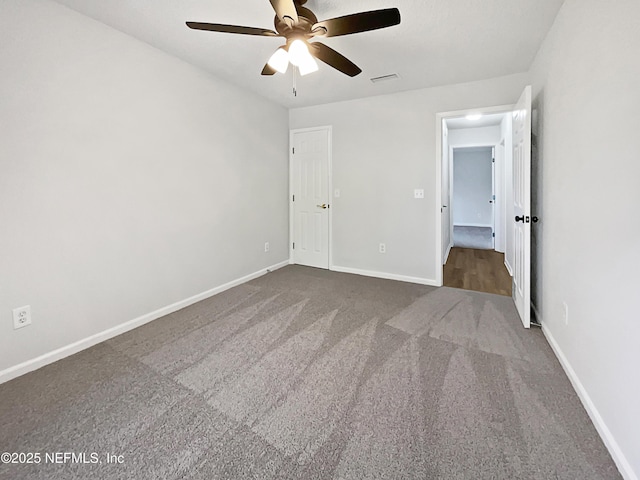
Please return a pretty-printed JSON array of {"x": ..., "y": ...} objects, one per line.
[
  {"x": 292, "y": 132},
  {"x": 440, "y": 118},
  {"x": 493, "y": 195}
]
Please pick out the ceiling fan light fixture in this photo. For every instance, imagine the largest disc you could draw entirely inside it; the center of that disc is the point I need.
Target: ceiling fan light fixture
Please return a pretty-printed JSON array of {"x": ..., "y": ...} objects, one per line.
[
  {"x": 279, "y": 61},
  {"x": 297, "y": 25}
]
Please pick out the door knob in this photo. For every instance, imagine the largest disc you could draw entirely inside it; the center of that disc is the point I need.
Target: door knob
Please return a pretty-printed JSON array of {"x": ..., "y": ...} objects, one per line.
[
  {"x": 323, "y": 206},
  {"x": 534, "y": 219},
  {"x": 520, "y": 219}
]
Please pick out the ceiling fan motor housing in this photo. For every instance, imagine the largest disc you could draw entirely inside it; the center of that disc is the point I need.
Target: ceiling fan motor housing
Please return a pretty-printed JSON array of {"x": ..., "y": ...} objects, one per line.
[{"x": 306, "y": 20}]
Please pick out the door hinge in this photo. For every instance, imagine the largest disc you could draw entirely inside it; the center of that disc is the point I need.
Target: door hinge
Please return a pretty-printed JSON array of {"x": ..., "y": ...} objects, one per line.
[
  {"x": 293, "y": 150},
  {"x": 294, "y": 245},
  {"x": 493, "y": 234},
  {"x": 494, "y": 197},
  {"x": 294, "y": 198}
]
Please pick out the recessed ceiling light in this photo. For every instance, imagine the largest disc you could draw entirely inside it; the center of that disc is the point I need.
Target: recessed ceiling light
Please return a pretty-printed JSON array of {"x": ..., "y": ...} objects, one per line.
[{"x": 474, "y": 116}]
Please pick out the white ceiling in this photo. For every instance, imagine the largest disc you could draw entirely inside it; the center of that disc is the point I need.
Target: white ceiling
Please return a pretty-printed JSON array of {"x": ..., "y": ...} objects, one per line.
[{"x": 438, "y": 42}]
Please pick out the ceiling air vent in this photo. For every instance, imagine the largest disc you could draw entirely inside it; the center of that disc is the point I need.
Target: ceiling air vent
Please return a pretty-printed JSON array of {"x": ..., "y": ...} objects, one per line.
[{"x": 385, "y": 78}]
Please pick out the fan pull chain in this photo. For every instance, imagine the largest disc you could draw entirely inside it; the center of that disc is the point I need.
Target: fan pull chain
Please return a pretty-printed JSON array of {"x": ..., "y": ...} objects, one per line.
[{"x": 295, "y": 90}]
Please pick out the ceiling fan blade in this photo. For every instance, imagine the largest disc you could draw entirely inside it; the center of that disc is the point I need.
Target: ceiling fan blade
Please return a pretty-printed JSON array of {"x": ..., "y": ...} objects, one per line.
[
  {"x": 218, "y": 27},
  {"x": 359, "y": 22},
  {"x": 268, "y": 70},
  {"x": 334, "y": 59},
  {"x": 285, "y": 9}
]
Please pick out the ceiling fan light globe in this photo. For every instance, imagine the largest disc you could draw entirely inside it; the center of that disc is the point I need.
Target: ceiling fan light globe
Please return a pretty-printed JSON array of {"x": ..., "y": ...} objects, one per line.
[
  {"x": 298, "y": 52},
  {"x": 309, "y": 65},
  {"x": 279, "y": 61}
]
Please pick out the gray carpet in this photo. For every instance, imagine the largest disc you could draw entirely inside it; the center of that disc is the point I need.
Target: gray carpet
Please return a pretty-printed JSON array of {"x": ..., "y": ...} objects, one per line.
[
  {"x": 473, "y": 237},
  {"x": 310, "y": 374}
]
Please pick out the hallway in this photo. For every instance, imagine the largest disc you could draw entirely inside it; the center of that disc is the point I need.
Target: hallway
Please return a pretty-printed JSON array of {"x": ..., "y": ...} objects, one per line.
[{"x": 479, "y": 270}]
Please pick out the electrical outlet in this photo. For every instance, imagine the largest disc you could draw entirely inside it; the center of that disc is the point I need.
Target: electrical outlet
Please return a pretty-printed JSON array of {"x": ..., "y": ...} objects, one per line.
[
  {"x": 21, "y": 317},
  {"x": 383, "y": 248},
  {"x": 565, "y": 313},
  {"x": 266, "y": 246},
  {"x": 418, "y": 193}
]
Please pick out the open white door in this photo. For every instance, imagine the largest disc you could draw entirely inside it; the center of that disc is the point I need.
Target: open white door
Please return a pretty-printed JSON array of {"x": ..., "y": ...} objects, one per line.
[
  {"x": 522, "y": 206},
  {"x": 310, "y": 196},
  {"x": 445, "y": 210}
]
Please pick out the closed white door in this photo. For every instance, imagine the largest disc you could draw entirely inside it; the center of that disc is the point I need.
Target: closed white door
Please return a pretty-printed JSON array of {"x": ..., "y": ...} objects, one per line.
[
  {"x": 310, "y": 196},
  {"x": 522, "y": 206}
]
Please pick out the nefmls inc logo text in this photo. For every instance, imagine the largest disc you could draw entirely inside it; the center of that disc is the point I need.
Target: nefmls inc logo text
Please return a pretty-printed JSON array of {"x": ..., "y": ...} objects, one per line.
[
  {"x": 72, "y": 457},
  {"x": 60, "y": 457}
]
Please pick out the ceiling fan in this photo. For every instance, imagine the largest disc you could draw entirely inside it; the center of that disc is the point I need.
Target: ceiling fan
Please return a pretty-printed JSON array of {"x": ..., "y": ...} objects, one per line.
[{"x": 298, "y": 25}]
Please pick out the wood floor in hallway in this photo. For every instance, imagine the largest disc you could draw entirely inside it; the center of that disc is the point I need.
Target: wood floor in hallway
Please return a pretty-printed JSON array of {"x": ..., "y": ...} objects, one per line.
[{"x": 479, "y": 270}]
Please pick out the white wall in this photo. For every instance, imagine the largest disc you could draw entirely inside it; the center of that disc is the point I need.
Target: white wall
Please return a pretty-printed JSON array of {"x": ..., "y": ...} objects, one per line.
[
  {"x": 586, "y": 93},
  {"x": 474, "y": 137},
  {"x": 383, "y": 148},
  {"x": 472, "y": 187},
  {"x": 129, "y": 180}
]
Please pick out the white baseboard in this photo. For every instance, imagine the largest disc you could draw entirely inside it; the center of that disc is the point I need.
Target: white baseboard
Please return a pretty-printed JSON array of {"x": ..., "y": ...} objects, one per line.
[
  {"x": 607, "y": 437},
  {"x": 60, "y": 353},
  {"x": 509, "y": 269},
  {"x": 386, "y": 276}
]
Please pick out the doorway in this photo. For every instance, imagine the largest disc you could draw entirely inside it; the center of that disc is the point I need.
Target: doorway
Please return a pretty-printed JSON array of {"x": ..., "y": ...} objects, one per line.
[
  {"x": 310, "y": 209},
  {"x": 473, "y": 197},
  {"x": 474, "y": 174},
  {"x": 512, "y": 205}
]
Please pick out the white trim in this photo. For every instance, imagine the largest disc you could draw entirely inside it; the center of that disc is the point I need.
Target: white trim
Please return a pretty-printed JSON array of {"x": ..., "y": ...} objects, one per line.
[
  {"x": 446, "y": 254},
  {"x": 330, "y": 197},
  {"x": 462, "y": 146},
  {"x": 450, "y": 199},
  {"x": 506, "y": 264},
  {"x": 607, "y": 437},
  {"x": 386, "y": 276},
  {"x": 291, "y": 232},
  {"x": 60, "y": 353},
  {"x": 329, "y": 129},
  {"x": 473, "y": 225},
  {"x": 438, "y": 202}
]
